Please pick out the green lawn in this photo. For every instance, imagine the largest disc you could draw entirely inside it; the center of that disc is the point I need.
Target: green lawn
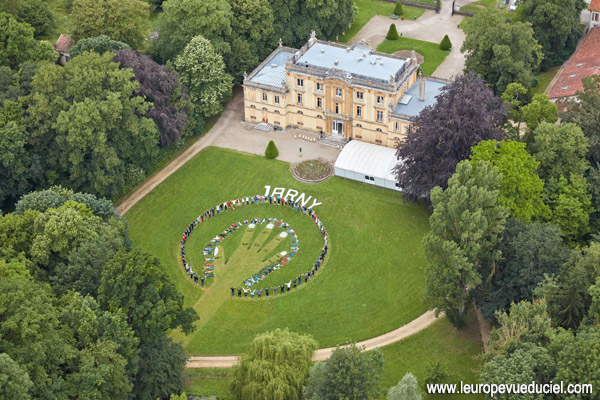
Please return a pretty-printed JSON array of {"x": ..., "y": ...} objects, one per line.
[
  {"x": 431, "y": 51},
  {"x": 479, "y": 5},
  {"x": 367, "y": 9},
  {"x": 441, "y": 342},
  {"x": 544, "y": 79},
  {"x": 374, "y": 273},
  {"x": 60, "y": 11}
]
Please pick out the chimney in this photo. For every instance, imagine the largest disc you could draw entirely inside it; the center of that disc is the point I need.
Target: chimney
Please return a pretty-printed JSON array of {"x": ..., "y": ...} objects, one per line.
[{"x": 422, "y": 88}]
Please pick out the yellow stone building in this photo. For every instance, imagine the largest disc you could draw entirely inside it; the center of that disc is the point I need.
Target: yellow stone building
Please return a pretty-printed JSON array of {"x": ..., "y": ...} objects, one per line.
[{"x": 340, "y": 92}]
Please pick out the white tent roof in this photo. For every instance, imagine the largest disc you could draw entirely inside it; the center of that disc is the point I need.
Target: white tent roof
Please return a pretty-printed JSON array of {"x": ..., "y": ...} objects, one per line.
[{"x": 368, "y": 159}]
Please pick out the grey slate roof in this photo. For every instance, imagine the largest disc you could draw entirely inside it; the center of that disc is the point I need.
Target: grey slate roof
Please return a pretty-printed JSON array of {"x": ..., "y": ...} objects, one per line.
[
  {"x": 273, "y": 73},
  {"x": 414, "y": 106},
  {"x": 353, "y": 61}
]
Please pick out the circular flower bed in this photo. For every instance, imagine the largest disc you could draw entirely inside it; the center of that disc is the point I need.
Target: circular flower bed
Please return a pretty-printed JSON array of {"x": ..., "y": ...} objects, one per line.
[{"x": 312, "y": 170}]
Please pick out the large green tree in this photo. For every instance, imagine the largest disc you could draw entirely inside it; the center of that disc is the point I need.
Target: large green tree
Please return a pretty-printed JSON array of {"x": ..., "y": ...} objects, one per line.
[
  {"x": 100, "y": 44},
  {"x": 183, "y": 20},
  {"x": 407, "y": 388},
  {"x": 529, "y": 252},
  {"x": 276, "y": 367},
  {"x": 202, "y": 71},
  {"x": 555, "y": 25},
  {"x": 122, "y": 20},
  {"x": 499, "y": 52},
  {"x": 347, "y": 374},
  {"x": 521, "y": 189},
  {"x": 87, "y": 126},
  {"x": 18, "y": 45},
  {"x": 14, "y": 381},
  {"x": 466, "y": 225},
  {"x": 15, "y": 163}
]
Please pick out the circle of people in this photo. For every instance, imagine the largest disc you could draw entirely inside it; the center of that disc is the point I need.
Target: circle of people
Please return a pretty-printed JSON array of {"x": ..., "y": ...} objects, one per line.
[{"x": 211, "y": 250}]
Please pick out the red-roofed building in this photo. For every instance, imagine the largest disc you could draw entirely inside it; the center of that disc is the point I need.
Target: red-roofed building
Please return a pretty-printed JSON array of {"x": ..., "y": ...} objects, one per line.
[
  {"x": 584, "y": 62},
  {"x": 594, "y": 13},
  {"x": 63, "y": 45}
]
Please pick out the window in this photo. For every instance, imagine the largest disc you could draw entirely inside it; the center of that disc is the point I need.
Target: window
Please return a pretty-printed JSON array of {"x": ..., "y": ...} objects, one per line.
[
  {"x": 359, "y": 125},
  {"x": 300, "y": 82},
  {"x": 319, "y": 86},
  {"x": 358, "y": 111},
  {"x": 358, "y": 136},
  {"x": 378, "y": 130},
  {"x": 319, "y": 102},
  {"x": 276, "y": 99},
  {"x": 378, "y": 141},
  {"x": 337, "y": 108},
  {"x": 264, "y": 97},
  {"x": 379, "y": 99},
  {"x": 338, "y": 92},
  {"x": 300, "y": 112},
  {"x": 359, "y": 95},
  {"x": 299, "y": 98},
  {"x": 397, "y": 126},
  {"x": 369, "y": 178},
  {"x": 379, "y": 116}
]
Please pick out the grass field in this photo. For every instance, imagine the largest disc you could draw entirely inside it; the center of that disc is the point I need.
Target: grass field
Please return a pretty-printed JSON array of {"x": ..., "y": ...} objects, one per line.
[
  {"x": 430, "y": 51},
  {"x": 374, "y": 273},
  {"x": 367, "y": 9},
  {"x": 441, "y": 342},
  {"x": 479, "y": 5},
  {"x": 544, "y": 79}
]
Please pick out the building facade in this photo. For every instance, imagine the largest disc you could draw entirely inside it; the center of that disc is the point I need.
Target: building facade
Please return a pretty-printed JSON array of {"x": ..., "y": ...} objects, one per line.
[{"x": 338, "y": 91}]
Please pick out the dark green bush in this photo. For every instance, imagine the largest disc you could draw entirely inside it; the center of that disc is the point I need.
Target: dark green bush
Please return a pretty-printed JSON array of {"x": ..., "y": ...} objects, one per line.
[
  {"x": 271, "y": 151},
  {"x": 392, "y": 33},
  {"x": 445, "y": 43},
  {"x": 398, "y": 9}
]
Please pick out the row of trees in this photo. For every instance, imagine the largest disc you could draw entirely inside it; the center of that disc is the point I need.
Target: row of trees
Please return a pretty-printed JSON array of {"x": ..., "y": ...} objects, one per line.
[
  {"x": 507, "y": 209},
  {"x": 544, "y": 34},
  {"x": 82, "y": 314},
  {"x": 278, "y": 366}
]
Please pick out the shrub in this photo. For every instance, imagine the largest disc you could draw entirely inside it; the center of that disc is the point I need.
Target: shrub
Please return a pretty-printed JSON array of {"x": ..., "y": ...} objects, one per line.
[
  {"x": 445, "y": 44},
  {"x": 392, "y": 33},
  {"x": 398, "y": 9},
  {"x": 271, "y": 151}
]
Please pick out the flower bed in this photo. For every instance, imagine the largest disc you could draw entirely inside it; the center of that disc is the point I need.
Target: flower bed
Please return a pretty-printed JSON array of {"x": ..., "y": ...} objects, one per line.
[{"x": 312, "y": 170}]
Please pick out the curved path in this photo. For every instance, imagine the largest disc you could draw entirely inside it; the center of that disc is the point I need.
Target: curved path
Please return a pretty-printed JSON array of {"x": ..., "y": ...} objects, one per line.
[{"x": 404, "y": 331}]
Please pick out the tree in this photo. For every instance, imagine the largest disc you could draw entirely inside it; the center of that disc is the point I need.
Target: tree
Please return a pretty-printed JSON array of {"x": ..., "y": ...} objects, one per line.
[
  {"x": 406, "y": 389},
  {"x": 593, "y": 316},
  {"x": 466, "y": 225},
  {"x": 37, "y": 14},
  {"x": 521, "y": 189},
  {"x": 347, "y": 374},
  {"x": 252, "y": 36},
  {"x": 276, "y": 366},
  {"x": 100, "y": 44},
  {"x": 122, "y": 20},
  {"x": 136, "y": 283},
  {"x": 561, "y": 151},
  {"x": 514, "y": 95},
  {"x": 271, "y": 150},
  {"x": 584, "y": 111},
  {"x": 15, "y": 163},
  {"x": 202, "y": 71},
  {"x": 578, "y": 359},
  {"x": 568, "y": 294},
  {"x": 499, "y": 52},
  {"x": 17, "y": 44},
  {"x": 466, "y": 112},
  {"x": 541, "y": 109},
  {"x": 162, "y": 366},
  {"x": 445, "y": 44},
  {"x": 528, "y": 363},
  {"x": 398, "y": 8},
  {"x": 525, "y": 323},
  {"x": 14, "y": 381},
  {"x": 556, "y": 27},
  {"x": 571, "y": 207},
  {"x": 436, "y": 373},
  {"x": 160, "y": 85},
  {"x": 529, "y": 252},
  {"x": 183, "y": 20},
  {"x": 96, "y": 139},
  {"x": 392, "y": 33}
]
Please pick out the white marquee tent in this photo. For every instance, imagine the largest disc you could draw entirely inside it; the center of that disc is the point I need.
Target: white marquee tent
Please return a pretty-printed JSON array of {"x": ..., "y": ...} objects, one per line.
[{"x": 369, "y": 163}]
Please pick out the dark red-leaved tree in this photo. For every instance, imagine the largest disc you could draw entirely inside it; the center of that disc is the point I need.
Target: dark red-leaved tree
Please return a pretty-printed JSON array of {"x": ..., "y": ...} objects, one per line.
[
  {"x": 160, "y": 85},
  {"x": 466, "y": 113}
]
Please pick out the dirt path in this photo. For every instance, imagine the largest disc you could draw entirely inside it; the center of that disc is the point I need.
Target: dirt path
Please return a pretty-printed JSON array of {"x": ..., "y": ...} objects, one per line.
[{"x": 394, "y": 336}]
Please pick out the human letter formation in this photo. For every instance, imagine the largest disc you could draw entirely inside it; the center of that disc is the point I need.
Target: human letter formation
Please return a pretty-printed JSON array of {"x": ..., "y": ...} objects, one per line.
[{"x": 208, "y": 272}]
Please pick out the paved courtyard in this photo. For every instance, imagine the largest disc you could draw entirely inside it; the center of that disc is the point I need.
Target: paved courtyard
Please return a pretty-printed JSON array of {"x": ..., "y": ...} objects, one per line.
[{"x": 430, "y": 27}]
